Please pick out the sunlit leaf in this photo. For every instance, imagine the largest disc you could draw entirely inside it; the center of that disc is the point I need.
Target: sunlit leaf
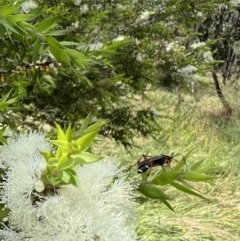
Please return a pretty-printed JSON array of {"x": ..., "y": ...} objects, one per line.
[
  {"x": 63, "y": 144},
  {"x": 64, "y": 163},
  {"x": 85, "y": 157},
  {"x": 86, "y": 140},
  {"x": 60, "y": 133}
]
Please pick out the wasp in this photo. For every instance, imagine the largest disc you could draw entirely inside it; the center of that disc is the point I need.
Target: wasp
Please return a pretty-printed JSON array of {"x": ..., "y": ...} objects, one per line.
[{"x": 149, "y": 162}]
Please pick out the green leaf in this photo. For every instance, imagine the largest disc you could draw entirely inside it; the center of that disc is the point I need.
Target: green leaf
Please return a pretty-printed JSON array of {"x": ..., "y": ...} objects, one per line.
[
  {"x": 208, "y": 166},
  {"x": 36, "y": 48},
  {"x": 86, "y": 140},
  {"x": 95, "y": 127},
  {"x": 185, "y": 189},
  {"x": 4, "y": 211},
  {"x": 63, "y": 144},
  {"x": 64, "y": 176},
  {"x": 8, "y": 26},
  {"x": 60, "y": 133},
  {"x": 3, "y": 140},
  {"x": 85, "y": 123},
  {"x": 57, "y": 33},
  {"x": 196, "y": 177},
  {"x": 36, "y": 11},
  {"x": 54, "y": 43},
  {"x": 46, "y": 155},
  {"x": 69, "y": 133},
  {"x": 23, "y": 17},
  {"x": 46, "y": 24},
  {"x": 74, "y": 180},
  {"x": 64, "y": 163},
  {"x": 78, "y": 58},
  {"x": 2, "y": 31},
  {"x": 10, "y": 8},
  {"x": 68, "y": 43},
  {"x": 85, "y": 157},
  {"x": 166, "y": 177},
  {"x": 152, "y": 192},
  {"x": 60, "y": 55},
  {"x": 195, "y": 166},
  {"x": 52, "y": 163}
]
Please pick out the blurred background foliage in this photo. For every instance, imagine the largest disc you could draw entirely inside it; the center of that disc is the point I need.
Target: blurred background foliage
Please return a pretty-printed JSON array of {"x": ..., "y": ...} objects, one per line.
[{"x": 118, "y": 50}]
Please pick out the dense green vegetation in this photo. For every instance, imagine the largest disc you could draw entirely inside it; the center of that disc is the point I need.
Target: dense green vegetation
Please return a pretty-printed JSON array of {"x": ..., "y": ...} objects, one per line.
[{"x": 152, "y": 69}]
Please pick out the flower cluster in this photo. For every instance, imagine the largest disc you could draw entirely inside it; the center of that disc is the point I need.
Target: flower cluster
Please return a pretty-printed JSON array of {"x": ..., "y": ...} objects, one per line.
[{"x": 102, "y": 208}]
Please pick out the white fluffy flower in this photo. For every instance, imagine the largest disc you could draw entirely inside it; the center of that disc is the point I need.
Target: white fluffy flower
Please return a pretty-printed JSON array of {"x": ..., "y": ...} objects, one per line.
[
  {"x": 84, "y": 8},
  {"x": 208, "y": 56},
  {"x": 102, "y": 208},
  {"x": 119, "y": 38},
  {"x": 189, "y": 73},
  {"x": 28, "y": 6},
  {"x": 197, "y": 45}
]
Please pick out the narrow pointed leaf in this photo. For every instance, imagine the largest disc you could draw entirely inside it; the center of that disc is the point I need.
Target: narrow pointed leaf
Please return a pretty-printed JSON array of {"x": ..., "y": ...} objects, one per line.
[
  {"x": 85, "y": 123},
  {"x": 46, "y": 24},
  {"x": 64, "y": 163},
  {"x": 166, "y": 177},
  {"x": 209, "y": 166},
  {"x": 69, "y": 133},
  {"x": 36, "y": 48},
  {"x": 46, "y": 155},
  {"x": 179, "y": 165},
  {"x": 64, "y": 176},
  {"x": 86, "y": 140},
  {"x": 196, "y": 165},
  {"x": 167, "y": 204},
  {"x": 196, "y": 177},
  {"x": 10, "y": 8},
  {"x": 85, "y": 157},
  {"x": 96, "y": 126},
  {"x": 185, "y": 189},
  {"x": 74, "y": 180},
  {"x": 152, "y": 192},
  {"x": 60, "y": 133},
  {"x": 60, "y": 55},
  {"x": 63, "y": 144}
]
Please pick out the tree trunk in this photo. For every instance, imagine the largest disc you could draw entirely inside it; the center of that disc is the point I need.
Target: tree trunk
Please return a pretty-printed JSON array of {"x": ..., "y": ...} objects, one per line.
[{"x": 220, "y": 94}]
